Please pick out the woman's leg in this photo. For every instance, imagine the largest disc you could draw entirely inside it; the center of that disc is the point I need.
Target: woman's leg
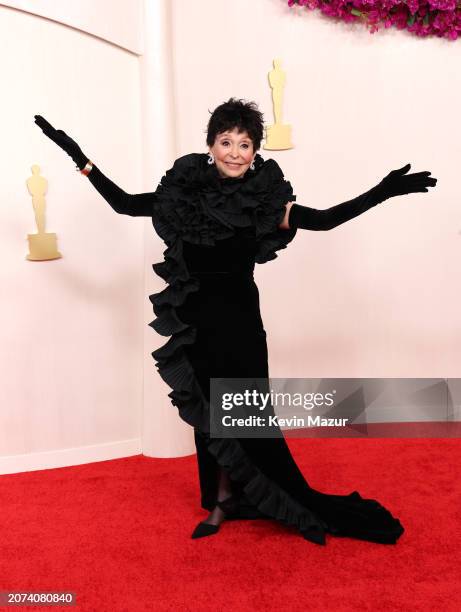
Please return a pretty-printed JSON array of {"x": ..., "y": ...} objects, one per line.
[
  {"x": 215, "y": 484},
  {"x": 217, "y": 515},
  {"x": 208, "y": 472}
]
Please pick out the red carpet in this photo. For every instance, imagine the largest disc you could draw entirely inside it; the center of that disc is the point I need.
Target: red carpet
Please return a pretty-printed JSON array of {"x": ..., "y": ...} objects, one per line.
[{"x": 118, "y": 534}]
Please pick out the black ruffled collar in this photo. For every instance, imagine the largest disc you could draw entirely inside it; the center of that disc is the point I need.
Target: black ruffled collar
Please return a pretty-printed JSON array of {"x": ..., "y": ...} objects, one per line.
[{"x": 194, "y": 203}]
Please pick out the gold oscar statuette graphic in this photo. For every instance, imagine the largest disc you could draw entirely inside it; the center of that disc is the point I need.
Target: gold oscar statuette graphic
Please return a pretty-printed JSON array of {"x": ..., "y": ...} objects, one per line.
[
  {"x": 42, "y": 245},
  {"x": 278, "y": 135}
]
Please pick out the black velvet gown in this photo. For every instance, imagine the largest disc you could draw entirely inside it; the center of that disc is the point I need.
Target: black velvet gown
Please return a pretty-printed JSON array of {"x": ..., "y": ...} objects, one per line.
[{"x": 216, "y": 230}]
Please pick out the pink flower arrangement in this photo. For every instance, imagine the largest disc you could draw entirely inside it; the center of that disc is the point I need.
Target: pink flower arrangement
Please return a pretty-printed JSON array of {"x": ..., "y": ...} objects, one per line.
[{"x": 440, "y": 18}]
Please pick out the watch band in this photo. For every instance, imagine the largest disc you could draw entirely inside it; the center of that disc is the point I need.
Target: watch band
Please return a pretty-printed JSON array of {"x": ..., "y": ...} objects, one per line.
[{"x": 87, "y": 169}]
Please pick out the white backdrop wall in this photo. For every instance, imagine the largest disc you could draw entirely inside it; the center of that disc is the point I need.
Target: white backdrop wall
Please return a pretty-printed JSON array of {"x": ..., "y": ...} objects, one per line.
[
  {"x": 71, "y": 329},
  {"x": 375, "y": 297}
]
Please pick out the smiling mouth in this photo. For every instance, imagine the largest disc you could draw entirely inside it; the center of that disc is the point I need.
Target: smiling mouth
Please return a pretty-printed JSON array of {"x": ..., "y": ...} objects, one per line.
[{"x": 233, "y": 164}]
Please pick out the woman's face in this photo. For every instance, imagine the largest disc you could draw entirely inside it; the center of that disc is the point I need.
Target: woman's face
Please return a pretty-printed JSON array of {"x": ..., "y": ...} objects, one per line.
[{"x": 233, "y": 153}]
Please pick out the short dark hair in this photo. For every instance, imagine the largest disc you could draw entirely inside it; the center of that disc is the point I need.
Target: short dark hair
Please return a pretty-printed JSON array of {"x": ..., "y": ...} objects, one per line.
[{"x": 245, "y": 116}]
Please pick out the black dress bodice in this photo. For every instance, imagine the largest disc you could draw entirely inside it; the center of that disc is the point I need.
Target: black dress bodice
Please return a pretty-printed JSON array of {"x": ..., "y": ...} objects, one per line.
[
  {"x": 234, "y": 255},
  {"x": 227, "y": 300}
]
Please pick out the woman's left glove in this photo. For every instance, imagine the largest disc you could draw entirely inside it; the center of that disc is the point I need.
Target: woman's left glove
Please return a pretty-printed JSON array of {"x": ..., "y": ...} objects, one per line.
[
  {"x": 395, "y": 183},
  {"x": 398, "y": 182},
  {"x": 63, "y": 140}
]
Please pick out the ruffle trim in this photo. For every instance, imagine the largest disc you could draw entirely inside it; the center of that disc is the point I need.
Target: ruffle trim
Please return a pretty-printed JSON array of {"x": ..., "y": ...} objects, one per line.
[
  {"x": 193, "y": 204},
  {"x": 342, "y": 515},
  {"x": 267, "y": 496}
]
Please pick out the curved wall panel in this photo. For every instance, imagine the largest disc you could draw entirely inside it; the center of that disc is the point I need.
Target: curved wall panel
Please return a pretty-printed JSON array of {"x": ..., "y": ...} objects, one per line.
[{"x": 117, "y": 22}]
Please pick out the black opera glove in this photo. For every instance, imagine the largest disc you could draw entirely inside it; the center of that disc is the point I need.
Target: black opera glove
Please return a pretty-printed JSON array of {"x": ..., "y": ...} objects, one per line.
[
  {"x": 62, "y": 140},
  {"x": 132, "y": 204},
  {"x": 397, "y": 182},
  {"x": 135, "y": 205}
]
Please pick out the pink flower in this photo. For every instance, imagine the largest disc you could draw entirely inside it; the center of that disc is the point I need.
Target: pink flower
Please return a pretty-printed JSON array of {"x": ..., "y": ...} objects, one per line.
[{"x": 420, "y": 17}]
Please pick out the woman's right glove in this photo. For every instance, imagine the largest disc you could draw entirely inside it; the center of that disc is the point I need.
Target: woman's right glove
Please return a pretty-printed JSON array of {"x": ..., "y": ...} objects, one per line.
[
  {"x": 135, "y": 205},
  {"x": 62, "y": 140}
]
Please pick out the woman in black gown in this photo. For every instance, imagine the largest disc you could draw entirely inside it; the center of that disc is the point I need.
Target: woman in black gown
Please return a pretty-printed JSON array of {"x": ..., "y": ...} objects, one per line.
[{"x": 219, "y": 214}]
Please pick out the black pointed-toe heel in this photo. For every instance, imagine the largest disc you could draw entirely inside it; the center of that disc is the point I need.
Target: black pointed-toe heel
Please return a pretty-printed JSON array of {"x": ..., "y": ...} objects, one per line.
[
  {"x": 204, "y": 529},
  {"x": 228, "y": 506}
]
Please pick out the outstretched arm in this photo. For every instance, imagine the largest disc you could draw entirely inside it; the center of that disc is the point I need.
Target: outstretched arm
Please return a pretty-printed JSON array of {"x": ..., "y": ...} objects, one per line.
[
  {"x": 395, "y": 183},
  {"x": 135, "y": 205}
]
